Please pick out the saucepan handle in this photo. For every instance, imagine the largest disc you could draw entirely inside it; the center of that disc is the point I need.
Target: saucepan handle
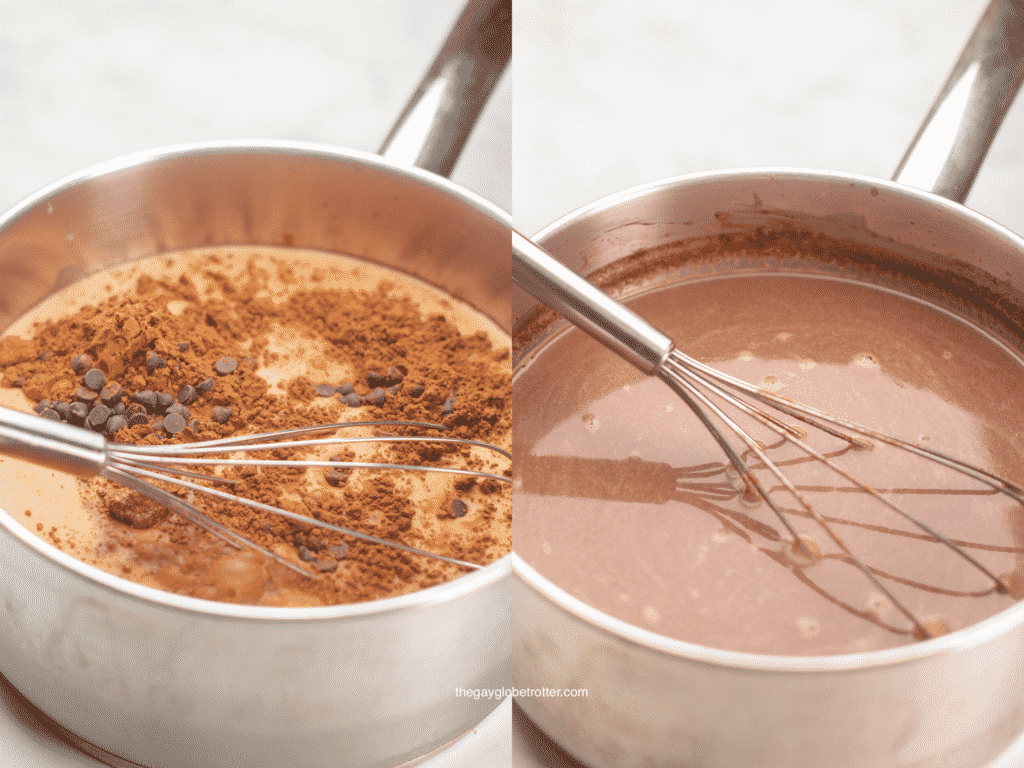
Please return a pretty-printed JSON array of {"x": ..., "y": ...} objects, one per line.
[
  {"x": 435, "y": 124},
  {"x": 950, "y": 146}
]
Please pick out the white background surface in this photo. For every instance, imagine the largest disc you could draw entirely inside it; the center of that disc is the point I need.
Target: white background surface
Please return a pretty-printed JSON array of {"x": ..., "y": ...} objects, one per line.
[
  {"x": 83, "y": 82},
  {"x": 616, "y": 93}
]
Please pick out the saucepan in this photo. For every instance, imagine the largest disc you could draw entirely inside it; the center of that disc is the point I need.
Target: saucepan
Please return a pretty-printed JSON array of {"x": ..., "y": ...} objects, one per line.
[
  {"x": 654, "y": 701},
  {"x": 165, "y": 680}
]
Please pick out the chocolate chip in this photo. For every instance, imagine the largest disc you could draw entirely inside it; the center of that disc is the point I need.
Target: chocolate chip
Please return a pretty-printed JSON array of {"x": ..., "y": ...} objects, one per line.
[
  {"x": 81, "y": 363},
  {"x": 135, "y": 408},
  {"x": 395, "y": 389},
  {"x": 346, "y": 388},
  {"x": 394, "y": 375},
  {"x": 94, "y": 379},
  {"x": 46, "y": 356},
  {"x": 146, "y": 399},
  {"x": 19, "y": 380},
  {"x": 203, "y": 387},
  {"x": 377, "y": 397},
  {"x": 164, "y": 401},
  {"x": 98, "y": 417},
  {"x": 154, "y": 361},
  {"x": 225, "y": 365},
  {"x": 78, "y": 412},
  {"x": 183, "y": 346},
  {"x": 194, "y": 426},
  {"x": 221, "y": 413},
  {"x": 64, "y": 409},
  {"x": 338, "y": 551},
  {"x": 459, "y": 508},
  {"x": 180, "y": 409},
  {"x": 137, "y": 419},
  {"x": 111, "y": 393},
  {"x": 335, "y": 475},
  {"x": 174, "y": 423},
  {"x": 306, "y": 555},
  {"x": 49, "y": 413},
  {"x": 325, "y": 565},
  {"x": 188, "y": 395},
  {"x": 325, "y": 390},
  {"x": 374, "y": 379},
  {"x": 115, "y": 423},
  {"x": 449, "y": 405},
  {"x": 118, "y": 409},
  {"x": 418, "y": 390},
  {"x": 250, "y": 363},
  {"x": 41, "y": 406},
  {"x": 352, "y": 400},
  {"x": 84, "y": 395},
  {"x": 156, "y": 424}
]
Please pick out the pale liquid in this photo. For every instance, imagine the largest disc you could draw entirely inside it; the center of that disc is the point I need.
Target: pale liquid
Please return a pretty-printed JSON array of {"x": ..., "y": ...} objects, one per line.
[
  {"x": 63, "y": 510},
  {"x": 622, "y": 498}
]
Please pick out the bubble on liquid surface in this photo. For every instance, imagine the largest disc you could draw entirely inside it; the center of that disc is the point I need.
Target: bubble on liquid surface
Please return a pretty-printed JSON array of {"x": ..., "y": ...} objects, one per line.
[
  {"x": 591, "y": 422},
  {"x": 877, "y": 604},
  {"x": 746, "y": 355},
  {"x": 936, "y": 626},
  {"x": 651, "y": 614},
  {"x": 807, "y": 627},
  {"x": 864, "y": 360},
  {"x": 806, "y": 364},
  {"x": 770, "y": 384},
  {"x": 783, "y": 336},
  {"x": 947, "y": 354},
  {"x": 236, "y": 578},
  {"x": 808, "y": 554}
]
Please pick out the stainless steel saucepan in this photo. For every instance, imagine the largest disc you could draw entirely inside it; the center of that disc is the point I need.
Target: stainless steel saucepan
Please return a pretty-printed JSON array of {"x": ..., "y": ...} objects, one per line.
[
  {"x": 653, "y": 701},
  {"x": 166, "y": 680}
]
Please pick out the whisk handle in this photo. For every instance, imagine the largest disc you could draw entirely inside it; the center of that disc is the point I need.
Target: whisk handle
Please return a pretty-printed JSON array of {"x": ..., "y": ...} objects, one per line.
[
  {"x": 63, "y": 447},
  {"x": 588, "y": 308}
]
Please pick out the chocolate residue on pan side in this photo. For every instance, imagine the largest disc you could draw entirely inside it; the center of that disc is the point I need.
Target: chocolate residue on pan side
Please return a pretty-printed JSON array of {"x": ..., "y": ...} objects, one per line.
[{"x": 766, "y": 239}]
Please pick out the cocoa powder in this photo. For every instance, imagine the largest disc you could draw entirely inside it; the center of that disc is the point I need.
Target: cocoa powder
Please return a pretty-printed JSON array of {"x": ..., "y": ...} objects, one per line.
[{"x": 230, "y": 319}]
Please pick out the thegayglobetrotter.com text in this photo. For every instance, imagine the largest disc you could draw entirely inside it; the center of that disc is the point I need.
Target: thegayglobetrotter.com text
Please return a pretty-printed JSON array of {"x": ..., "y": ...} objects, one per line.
[{"x": 523, "y": 693}]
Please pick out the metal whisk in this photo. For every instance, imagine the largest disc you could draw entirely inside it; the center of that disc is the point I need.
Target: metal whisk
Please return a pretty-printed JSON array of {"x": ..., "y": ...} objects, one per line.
[
  {"x": 83, "y": 453},
  {"x": 636, "y": 341}
]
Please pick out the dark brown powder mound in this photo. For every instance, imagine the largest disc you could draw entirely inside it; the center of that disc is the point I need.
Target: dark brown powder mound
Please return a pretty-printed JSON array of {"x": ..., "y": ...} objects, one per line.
[{"x": 189, "y": 329}]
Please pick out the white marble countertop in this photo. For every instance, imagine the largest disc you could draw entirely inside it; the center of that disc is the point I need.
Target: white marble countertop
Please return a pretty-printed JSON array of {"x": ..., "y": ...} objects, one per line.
[
  {"x": 85, "y": 82},
  {"x": 610, "y": 94}
]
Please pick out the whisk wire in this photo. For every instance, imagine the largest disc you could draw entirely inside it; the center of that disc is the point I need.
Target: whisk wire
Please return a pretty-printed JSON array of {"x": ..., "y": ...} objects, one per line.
[
  {"x": 194, "y": 515},
  {"x": 298, "y": 518},
  {"x": 677, "y": 370}
]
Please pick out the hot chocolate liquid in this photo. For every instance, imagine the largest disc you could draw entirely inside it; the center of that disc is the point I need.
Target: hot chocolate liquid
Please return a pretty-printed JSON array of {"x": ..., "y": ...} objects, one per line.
[
  {"x": 624, "y": 500},
  {"x": 263, "y": 338}
]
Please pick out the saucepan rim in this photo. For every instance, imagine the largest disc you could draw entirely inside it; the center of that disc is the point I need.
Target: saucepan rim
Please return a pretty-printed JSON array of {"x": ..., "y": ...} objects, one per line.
[
  {"x": 439, "y": 594},
  {"x": 977, "y": 634}
]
